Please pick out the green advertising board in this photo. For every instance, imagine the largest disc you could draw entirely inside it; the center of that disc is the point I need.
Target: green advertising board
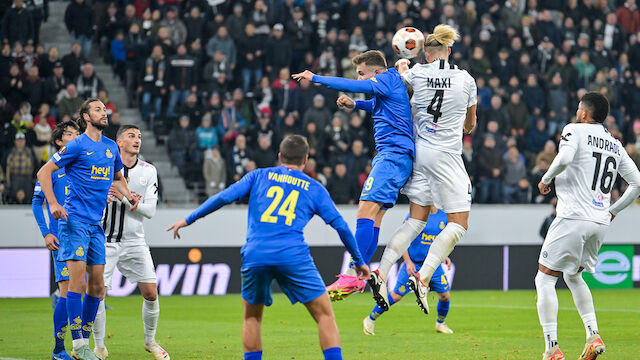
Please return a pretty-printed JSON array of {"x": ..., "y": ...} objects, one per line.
[{"x": 614, "y": 269}]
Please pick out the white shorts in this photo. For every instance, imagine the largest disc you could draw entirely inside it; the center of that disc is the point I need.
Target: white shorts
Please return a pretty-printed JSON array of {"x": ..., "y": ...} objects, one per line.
[
  {"x": 571, "y": 244},
  {"x": 439, "y": 178},
  {"x": 133, "y": 261}
]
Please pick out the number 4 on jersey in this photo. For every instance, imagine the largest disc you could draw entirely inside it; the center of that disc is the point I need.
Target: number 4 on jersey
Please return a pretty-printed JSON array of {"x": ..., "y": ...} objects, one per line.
[
  {"x": 437, "y": 101},
  {"x": 287, "y": 209}
]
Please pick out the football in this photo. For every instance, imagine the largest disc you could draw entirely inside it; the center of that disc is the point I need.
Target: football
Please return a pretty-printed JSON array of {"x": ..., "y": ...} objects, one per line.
[{"x": 408, "y": 42}]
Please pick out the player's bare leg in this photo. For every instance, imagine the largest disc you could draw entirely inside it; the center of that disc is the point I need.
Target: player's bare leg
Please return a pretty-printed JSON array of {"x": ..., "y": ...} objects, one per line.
[
  {"x": 547, "y": 305},
  {"x": 369, "y": 213},
  {"x": 150, "y": 314},
  {"x": 322, "y": 312},
  {"x": 252, "y": 322},
  {"x": 398, "y": 244}
]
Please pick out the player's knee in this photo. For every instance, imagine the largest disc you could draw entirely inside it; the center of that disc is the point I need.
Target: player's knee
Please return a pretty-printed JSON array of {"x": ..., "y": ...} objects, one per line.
[
  {"x": 150, "y": 294},
  {"x": 95, "y": 288},
  {"x": 444, "y": 296},
  {"x": 572, "y": 279}
]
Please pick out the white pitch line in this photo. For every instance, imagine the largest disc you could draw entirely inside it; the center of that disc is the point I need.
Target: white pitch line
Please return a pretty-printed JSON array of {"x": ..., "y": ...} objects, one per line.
[
  {"x": 5, "y": 358},
  {"x": 523, "y": 307}
]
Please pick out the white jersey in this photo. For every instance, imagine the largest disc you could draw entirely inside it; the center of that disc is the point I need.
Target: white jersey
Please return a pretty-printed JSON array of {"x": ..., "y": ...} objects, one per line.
[
  {"x": 441, "y": 95},
  {"x": 584, "y": 187},
  {"x": 118, "y": 222}
]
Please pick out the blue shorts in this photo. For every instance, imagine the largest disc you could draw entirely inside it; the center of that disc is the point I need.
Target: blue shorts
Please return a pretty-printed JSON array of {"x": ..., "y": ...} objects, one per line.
[
  {"x": 389, "y": 172},
  {"x": 59, "y": 268},
  {"x": 438, "y": 283},
  {"x": 301, "y": 283},
  {"x": 81, "y": 241}
]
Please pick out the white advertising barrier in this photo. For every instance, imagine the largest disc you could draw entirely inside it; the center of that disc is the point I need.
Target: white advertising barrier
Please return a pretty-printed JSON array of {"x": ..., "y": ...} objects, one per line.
[{"x": 489, "y": 225}]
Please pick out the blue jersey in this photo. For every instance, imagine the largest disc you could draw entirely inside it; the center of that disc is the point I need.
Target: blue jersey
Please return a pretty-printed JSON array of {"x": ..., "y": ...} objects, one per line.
[
  {"x": 420, "y": 246},
  {"x": 389, "y": 106},
  {"x": 281, "y": 203},
  {"x": 90, "y": 167},
  {"x": 59, "y": 181}
]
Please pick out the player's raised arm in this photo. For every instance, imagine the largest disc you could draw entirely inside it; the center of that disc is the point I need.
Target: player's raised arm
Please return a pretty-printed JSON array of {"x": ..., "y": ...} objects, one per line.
[
  {"x": 44, "y": 178},
  {"x": 359, "y": 86},
  {"x": 233, "y": 193}
]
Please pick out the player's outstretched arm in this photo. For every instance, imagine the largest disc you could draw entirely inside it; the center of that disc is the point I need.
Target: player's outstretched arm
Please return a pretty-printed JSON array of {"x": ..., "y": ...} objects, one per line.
[
  {"x": 359, "y": 86},
  {"x": 631, "y": 175},
  {"x": 44, "y": 178}
]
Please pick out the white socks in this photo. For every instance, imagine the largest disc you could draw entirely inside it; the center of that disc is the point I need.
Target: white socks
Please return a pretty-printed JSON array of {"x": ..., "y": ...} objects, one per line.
[
  {"x": 584, "y": 302},
  {"x": 99, "y": 326},
  {"x": 399, "y": 243},
  {"x": 441, "y": 248},
  {"x": 547, "y": 308},
  {"x": 150, "y": 314}
]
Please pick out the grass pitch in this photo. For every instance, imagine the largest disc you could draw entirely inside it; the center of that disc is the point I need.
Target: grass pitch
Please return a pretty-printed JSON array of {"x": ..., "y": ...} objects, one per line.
[{"x": 487, "y": 325}]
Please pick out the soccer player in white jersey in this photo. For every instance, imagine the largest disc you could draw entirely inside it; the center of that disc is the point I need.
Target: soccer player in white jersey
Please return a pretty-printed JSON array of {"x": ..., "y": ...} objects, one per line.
[
  {"x": 126, "y": 245},
  {"x": 585, "y": 170},
  {"x": 444, "y": 106}
]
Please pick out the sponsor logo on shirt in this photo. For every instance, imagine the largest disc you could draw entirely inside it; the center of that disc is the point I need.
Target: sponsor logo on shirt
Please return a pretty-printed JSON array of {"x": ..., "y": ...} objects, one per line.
[
  {"x": 100, "y": 173},
  {"x": 89, "y": 153},
  {"x": 80, "y": 251},
  {"x": 109, "y": 154},
  {"x": 598, "y": 201}
]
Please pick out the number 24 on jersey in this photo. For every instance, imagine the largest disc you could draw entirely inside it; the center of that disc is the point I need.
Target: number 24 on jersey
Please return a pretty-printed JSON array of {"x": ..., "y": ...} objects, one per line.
[{"x": 287, "y": 209}]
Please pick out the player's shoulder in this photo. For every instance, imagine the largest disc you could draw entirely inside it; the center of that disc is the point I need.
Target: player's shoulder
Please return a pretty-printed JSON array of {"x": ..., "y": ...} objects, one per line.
[
  {"x": 109, "y": 142},
  {"x": 145, "y": 165}
]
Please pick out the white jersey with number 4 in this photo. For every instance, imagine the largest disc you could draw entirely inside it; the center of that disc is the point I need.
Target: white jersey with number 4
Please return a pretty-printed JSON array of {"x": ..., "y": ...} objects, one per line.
[
  {"x": 118, "y": 222},
  {"x": 584, "y": 188},
  {"x": 441, "y": 95}
]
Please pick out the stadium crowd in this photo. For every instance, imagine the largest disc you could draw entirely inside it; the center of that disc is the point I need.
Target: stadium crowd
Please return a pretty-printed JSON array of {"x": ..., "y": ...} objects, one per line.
[{"x": 213, "y": 79}]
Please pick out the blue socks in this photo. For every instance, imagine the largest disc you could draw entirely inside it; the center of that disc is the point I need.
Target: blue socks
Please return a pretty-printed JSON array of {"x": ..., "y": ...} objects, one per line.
[
  {"x": 373, "y": 246},
  {"x": 60, "y": 320},
  {"x": 253, "y": 355},
  {"x": 89, "y": 311},
  {"x": 443, "y": 310},
  {"x": 364, "y": 237},
  {"x": 74, "y": 309},
  {"x": 334, "y": 353},
  {"x": 377, "y": 310}
]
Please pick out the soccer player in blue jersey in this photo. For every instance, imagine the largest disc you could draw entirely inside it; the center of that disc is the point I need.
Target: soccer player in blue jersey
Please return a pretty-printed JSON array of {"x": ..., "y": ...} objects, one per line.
[
  {"x": 62, "y": 134},
  {"x": 92, "y": 163},
  {"x": 282, "y": 200},
  {"x": 413, "y": 259},
  {"x": 393, "y": 133}
]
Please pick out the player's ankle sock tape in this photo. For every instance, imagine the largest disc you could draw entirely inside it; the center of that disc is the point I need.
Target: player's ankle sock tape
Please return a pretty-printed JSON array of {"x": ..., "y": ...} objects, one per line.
[
  {"x": 584, "y": 301},
  {"x": 364, "y": 236},
  {"x": 60, "y": 321},
  {"x": 89, "y": 311},
  {"x": 253, "y": 355},
  {"x": 74, "y": 309},
  {"x": 99, "y": 326},
  {"x": 443, "y": 310},
  {"x": 334, "y": 353},
  {"x": 150, "y": 315}
]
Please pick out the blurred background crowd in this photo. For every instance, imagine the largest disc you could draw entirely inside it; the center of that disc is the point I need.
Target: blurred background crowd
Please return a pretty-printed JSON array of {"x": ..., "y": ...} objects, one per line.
[{"x": 212, "y": 80}]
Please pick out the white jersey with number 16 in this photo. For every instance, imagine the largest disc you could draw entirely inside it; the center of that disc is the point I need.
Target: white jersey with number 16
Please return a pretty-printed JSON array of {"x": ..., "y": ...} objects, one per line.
[{"x": 441, "y": 95}]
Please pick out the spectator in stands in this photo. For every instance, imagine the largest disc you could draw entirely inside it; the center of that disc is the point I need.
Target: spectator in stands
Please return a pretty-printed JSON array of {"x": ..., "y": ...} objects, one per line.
[
  {"x": 48, "y": 61},
  {"x": 17, "y": 24},
  {"x": 336, "y": 140},
  {"x": 558, "y": 105},
  {"x": 12, "y": 87},
  {"x": 25, "y": 114},
  {"x": 207, "y": 134},
  {"x": 41, "y": 137},
  {"x": 264, "y": 155},
  {"x": 318, "y": 114},
  {"x": 6, "y": 59},
  {"x": 237, "y": 159},
  {"x": 479, "y": 64},
  {"x": 153, "y": 83},
  {"x": 183, "y": 78},
  {"x": 231, "y": 122},
  {"x": 79, "y": 21},
  {"x": 585, "y": 70},
  {"x": 70, "y": 103},
  {"x": 499, "y": 114},
  {"x": 56, "y": 85},
  {"x": 342, "y": 187},
  {"x": 27, "y": 58},
  {"x": 514, "y": 171},
  {"x": 103, "y": 96},
  {"x": 251, "y": 52},
  {"x": 183, "y": 145},
  {"x": 244, "y": 107},
  {"x": 21, "y": 165},
  {"x": 537, "y": 137},
  {"x": 119, "y": 57},
  {"x": 285, "y": 95},
  {"x": 534, "y": 95},
  {"x": 315, "y": 138},
  {"x": 358, "y": 132},
  {"x": 89, "y": 83},
  {"x": 629, "y": 16},
  {"x": 357, "y": 159},
  {"x": 217, "y": 74},
  {"x": 176, "y": 28},
  {"x": 114, "y": 125},
  {"x": 109, "y": 23},
  {"x": 264, "y": 128},
  {"x": 214, "y": 172},
  {"x": 236, "y": 22},
  {"x": 192, "y": 109},
  {"x": 278, "y": 51},
  {"x": 195, "y": 22},
  {"x": 299, "y": 31},
  {"x": 223, "y": 44},
  {"x": 547, "y": 154},
  {"x": 490, "y": 168},
  {"x": 135, "y": 44},
  {"x": 72, "y": 61},
  {"x": 289, "y": 126},
  {"x": 34, "y": 88},
  {"x": 44, "y": 113}
]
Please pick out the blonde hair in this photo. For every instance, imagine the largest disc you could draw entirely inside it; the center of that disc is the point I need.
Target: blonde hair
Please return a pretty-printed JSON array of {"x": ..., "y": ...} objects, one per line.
[{"x": 443, "y": 35}]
